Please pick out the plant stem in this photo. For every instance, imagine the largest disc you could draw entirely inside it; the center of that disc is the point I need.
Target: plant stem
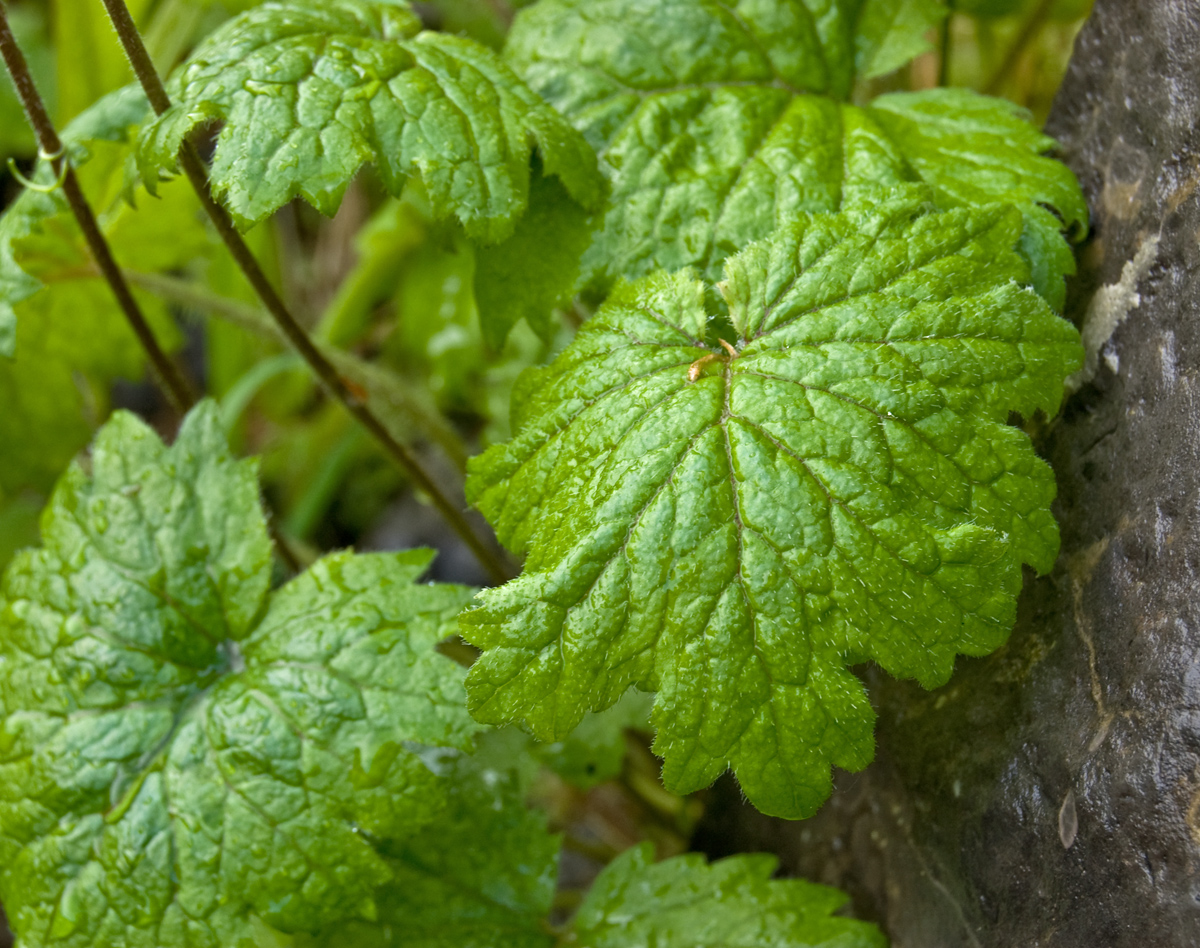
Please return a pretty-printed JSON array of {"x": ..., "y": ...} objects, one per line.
[
  {"x": 945, "y": 49},
  {"x": 282, "y": 546},
  {"x": 139, "y": 56},
  {"x": 384, "y": 387},
  {"x": 1028, "y": 31},
  {"x": 192, "y": 165},
  {"x": 171, "y": 379}
]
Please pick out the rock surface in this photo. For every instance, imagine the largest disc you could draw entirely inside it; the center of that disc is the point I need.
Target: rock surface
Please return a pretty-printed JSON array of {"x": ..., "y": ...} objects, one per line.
[{"x": 1050, "y": 794}]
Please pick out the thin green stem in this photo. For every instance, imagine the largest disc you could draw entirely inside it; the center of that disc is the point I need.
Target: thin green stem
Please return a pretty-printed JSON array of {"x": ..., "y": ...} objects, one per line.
[
  {"x": 384, "y": 388},
  {"x": 193, "y": 167},
  {"x": 945, "y": 49},
  {"x": 170, "y": 378},
  {"x": 1028, "y": 31}
]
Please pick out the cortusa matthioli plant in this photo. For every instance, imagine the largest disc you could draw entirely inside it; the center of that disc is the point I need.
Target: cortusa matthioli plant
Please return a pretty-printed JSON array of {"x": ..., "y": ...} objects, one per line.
[{"x": 778, "y": 445}]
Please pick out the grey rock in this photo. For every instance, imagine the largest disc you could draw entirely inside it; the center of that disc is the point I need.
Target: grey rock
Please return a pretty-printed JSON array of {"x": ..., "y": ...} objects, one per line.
[{"x": 1050, "y": 794}]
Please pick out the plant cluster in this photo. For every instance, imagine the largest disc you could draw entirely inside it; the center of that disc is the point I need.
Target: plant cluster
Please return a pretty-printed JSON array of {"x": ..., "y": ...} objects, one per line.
[{"x": 764, "y": 332}]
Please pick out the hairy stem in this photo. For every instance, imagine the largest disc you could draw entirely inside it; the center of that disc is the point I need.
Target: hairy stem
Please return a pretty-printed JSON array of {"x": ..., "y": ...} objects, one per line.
[
  {"x": 192, "y": 165},
  {"x": 171, "y": 379}
]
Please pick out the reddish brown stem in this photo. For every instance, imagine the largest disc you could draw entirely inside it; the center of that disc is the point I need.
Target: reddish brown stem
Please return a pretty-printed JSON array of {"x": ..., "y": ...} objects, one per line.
[
  {"x": 192, "y": 165},
  {"x": 172, "y": 380}
]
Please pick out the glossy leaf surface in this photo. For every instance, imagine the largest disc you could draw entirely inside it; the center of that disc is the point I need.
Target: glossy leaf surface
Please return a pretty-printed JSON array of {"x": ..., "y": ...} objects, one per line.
[
  {"x": 311, "y": 90},
  {"x": 717, "y": 123},
  {"x": 184, "y": 757},
  {"x": 730, "y": 525},
  {"x": 684, "y": 903},
  {"x": 481, "y": 876}
]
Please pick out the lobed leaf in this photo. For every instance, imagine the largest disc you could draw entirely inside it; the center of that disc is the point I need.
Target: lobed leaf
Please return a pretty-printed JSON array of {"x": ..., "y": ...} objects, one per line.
[
  {"x": 973, "y": 149},
  {"x": 184, "y": 757},
  {"x": 731, "y": 531},
  {"x": 312, "y": 90},
  {"x": 535, "y": 269},
  {"x": 481, "y": 876},
  {"x": 684, "y": 903},
  {"x": 718, "y": 123}
]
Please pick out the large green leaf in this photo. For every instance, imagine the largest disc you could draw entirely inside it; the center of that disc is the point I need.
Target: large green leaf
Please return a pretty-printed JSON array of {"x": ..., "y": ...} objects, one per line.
[
  {"x": 734, "y": 903},
  {"x": 534, "y": 270},
  {"x": 481, "y": 876},
  {"x": 311, "y": 90},
  {"x": 716, "y": 123},
  {"x": 185, "y": 758},
  {"x": 731, "y": 532}
]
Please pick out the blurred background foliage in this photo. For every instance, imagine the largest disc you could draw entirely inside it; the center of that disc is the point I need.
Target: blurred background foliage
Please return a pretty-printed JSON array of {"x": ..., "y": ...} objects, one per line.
[{"x": 395, "y": 293}]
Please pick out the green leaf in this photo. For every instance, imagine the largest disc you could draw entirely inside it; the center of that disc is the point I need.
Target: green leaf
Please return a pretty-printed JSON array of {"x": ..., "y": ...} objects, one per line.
[
  {"x": 183, "y": 757},
  {"x": 535, "y": 269},
  {"x": 732, "y": 532},
  {"x": 109, "y": 120},
  {"x": 972, "y": 149},
  {"x": 716, "y": 124},
  {"x": 114, "y": 118},
  {"x": 482, "y": 876},
  {"x": 889, "y": 33},
  {"x": 29, "y": 27},
  {"x": 683, "y": 903},
  {"x": 311, "y": 90}
]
